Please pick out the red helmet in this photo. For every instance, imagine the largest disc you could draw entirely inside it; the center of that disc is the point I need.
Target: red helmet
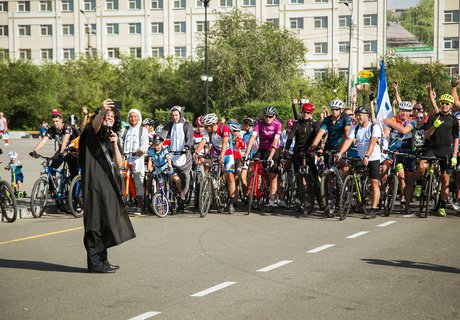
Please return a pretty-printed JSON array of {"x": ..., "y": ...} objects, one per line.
[
  {"x": 308, "y": 107},
  {"x": 199, "y": 121},
  {"x": 290, "y": 123}
]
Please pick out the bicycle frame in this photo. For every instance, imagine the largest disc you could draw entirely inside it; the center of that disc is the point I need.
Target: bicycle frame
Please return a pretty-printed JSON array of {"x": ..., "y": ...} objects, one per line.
[
  {"x": 50, "y": 173},
  {"x": 126, "y": 175}
]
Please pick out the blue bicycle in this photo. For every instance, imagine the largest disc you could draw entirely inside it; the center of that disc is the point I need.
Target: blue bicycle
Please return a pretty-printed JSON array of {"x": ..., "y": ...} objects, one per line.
[{"x": 165, "y": 198}]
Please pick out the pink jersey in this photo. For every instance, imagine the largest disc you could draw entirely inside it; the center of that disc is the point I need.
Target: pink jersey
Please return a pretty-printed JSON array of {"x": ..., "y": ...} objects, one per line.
[{"x": 267, "y": 133}]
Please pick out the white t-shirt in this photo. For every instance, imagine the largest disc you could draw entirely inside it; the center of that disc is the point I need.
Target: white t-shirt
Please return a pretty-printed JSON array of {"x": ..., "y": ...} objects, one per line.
[{"x": 363, "y": 138}]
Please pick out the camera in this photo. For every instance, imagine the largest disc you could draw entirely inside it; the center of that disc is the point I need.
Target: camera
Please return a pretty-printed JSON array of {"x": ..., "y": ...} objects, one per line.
[{"x": 117, "y": 104}]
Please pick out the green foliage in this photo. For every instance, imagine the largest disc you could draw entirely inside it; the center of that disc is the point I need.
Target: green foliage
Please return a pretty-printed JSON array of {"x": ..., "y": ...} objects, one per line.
[
  {"x": 162, "y": 116},
  {"x": 419, "y": 21}
]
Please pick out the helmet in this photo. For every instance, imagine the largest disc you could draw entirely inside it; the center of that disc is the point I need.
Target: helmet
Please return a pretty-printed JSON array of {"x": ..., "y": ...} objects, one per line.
[
  {"x": 447, "y": 98},
  {"x": 308, "y": 107},
  {"x": 72, "y": 120},
  {"x": 290, "y": 123},
  {"x": 148, "y": 121},
  {"x": 269, "y": 110},
  {"x": 209, "y": 119},
  {"x": 456, "y": 114},
  {"x": 234, "y": 126},
  {"x": 199, "y": 121},
  {"x": 337, "y": 104},
  {"x": 405, "y": 105},
  {"x": 157, "y": 139},
  {"x": 362, "y": 110},
  {"x": 249, "y": 122},
  {"x": 159, "y": 128},
  {"x": 12, "y": 155}
]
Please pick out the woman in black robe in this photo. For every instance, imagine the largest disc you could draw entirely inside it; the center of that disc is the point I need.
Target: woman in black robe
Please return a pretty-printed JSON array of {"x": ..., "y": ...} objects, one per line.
[{"x": 105, "y": 216}]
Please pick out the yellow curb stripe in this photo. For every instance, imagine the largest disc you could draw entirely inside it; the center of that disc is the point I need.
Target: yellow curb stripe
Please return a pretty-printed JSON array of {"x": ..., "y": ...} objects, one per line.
[{"x": 41, "y": 235}]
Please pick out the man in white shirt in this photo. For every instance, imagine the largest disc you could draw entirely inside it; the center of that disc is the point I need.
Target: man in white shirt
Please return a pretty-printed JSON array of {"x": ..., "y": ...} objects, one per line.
[{"x": 367, "y": 135}]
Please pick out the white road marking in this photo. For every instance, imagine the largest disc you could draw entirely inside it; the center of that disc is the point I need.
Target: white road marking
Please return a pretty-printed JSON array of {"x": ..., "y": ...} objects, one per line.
[
  {"x": 358, "y": 234},
  {"x": 408, "y": 215},
  {"x": 326, "y": 246},
  {"x": 146, "y": 315},
  {"x": 274, "y": 266},
  {"x": 386, "y": 224},
  {"x": 213, "y": 289}
]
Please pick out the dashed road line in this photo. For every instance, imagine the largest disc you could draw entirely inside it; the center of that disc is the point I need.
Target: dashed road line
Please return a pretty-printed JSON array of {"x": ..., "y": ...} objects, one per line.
[
  {"x": 356, "y": 235},
  {"x": 213, "y": 289},
  {"x": 146, "y": 315},
  {"x": 326, "y": 246},
  {"x": 386, "y": 223},
  {"x": 275, "y": 265}
]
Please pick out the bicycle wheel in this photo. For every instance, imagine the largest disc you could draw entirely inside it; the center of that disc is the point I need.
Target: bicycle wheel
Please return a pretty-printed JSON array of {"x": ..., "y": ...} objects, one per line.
[
  {"x": 346, "y": 196},
  {"x": 160, "y": 204},
  {"x": 222, "y": 195},
  {"x": 76, "y": 197},
  {"x": 366, "y": 195},
  {"x": 302, "y": 193},
  {"x": 39, "y": 197},
  {"x": 205, "y": 196},
  {"x": 197, "y": 181},
  {"x": 390, "y": 194},
  {"x": 426, "y": 195},
  {"x": 252, "y": 186},
  {"x": 8, "y": 203},
  {"x": 188, "y": 196},
  {"x": 316, "y": 189},
  {"x": 328, "y": 186}
]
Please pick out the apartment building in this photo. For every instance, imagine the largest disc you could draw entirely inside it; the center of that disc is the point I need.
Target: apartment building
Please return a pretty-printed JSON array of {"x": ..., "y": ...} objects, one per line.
[{"x": 58, "y": 30}]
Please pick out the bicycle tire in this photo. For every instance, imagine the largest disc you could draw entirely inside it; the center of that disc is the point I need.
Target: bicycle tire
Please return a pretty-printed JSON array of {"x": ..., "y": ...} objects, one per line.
[
  {"x": 366, "y": 195},
  {"x": 252, "y": 186},
  {"x": 188, "y": 196},
  {"x": 222, "y": 198},
  {"x": 197, "y": 181},
  {"x": 76, "y": 197},
  {"x": 425, "y": 197},
  {"x": 8, "y": 202},
  {"x": 346, "y": 196},
  {"x": 391, "y": 193},
  {"x": 302, "y": 192},
  {"x": 39, "y": 197},
  {"x": 327, "y": 192},
  {"x": 313, "y": 191},
  {"x": 205, "y": 197},
  {"x": 160, "y": 205}
]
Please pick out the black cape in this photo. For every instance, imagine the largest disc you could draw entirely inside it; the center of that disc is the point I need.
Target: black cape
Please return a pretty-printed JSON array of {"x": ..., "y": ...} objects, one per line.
[{"x": 105, "y": 216}]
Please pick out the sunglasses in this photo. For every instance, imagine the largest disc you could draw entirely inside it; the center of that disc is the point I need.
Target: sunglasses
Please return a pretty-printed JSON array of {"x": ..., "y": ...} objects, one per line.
[
  {"x": 306, "y": 112},
  {"x": 444, "y": 103},
  {"x": 269, "y": 117},
  {"x": 420, "y": 118},
  {"x": 417, "y": 109},
  {"x": 335, "y": 109}
]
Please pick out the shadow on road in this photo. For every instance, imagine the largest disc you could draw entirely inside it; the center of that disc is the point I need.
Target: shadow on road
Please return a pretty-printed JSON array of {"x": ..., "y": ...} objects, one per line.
[
  {"x": 39, "y": 265},
  {"x": 413, "y": 265}
]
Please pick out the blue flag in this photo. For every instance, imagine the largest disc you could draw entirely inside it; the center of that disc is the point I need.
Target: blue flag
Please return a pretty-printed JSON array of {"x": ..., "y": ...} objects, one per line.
[{"x": 383, "y": 100}]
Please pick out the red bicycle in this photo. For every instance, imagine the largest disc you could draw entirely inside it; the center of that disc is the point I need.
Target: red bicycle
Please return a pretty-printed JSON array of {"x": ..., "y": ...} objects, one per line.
[
  {"x": 128, "y": 191},
  {"x": 258, "y": 187}
]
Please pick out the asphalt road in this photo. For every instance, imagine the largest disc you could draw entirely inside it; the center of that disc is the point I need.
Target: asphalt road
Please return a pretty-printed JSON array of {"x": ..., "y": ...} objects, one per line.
[{"x": 281, "y": 266}]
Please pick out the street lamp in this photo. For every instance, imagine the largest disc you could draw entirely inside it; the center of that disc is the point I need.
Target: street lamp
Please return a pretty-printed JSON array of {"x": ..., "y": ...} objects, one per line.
[
  {"x": 206, "y": 78},
  {"x": 350, "y": 60},
  {"x": 87, "y": 30}
]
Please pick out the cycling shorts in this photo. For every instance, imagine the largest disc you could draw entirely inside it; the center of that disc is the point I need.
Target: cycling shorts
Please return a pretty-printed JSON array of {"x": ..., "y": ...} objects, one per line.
[
  {"x": 263, "y": 155},
  {"x": 229, "y": 163}
]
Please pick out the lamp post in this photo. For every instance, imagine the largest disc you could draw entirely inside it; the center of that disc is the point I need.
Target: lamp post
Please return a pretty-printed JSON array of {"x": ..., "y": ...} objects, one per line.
[
  {"x": 206, "y": 78},
  {"x": 87, "y": 30},
  {"x": 350, "y": 60}
]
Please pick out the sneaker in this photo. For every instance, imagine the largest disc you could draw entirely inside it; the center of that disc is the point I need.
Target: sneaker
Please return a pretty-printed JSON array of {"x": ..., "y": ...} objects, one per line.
[
  {"x": 403, "y": 203},
  {"x": 231, "y": 209},
  {"x": 442, "y": 212},
  {"x": 456, "y": 206},
  {"x": 282, "y": 204},
  {"x": 370, "y": 214},
  {"x": 271, "y": 209},
  {"x": 418, "y": 191}
]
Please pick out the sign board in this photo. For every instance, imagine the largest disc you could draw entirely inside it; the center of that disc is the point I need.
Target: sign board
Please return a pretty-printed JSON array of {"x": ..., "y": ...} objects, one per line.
[{"x": 366, "y": 74}]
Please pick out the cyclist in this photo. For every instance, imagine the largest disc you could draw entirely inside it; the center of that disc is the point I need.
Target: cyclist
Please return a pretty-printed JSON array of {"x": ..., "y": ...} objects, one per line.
[
  {"x": 149, "y": 124},
  {"x": 15, "y": 166},
  {"x": 442, "y": 133},
  {"x": 248, "y": 125},
  {"x": 219, "y": 135},
  {"x": 367, "y": 135},
  {"x": 268, "y": 130}
]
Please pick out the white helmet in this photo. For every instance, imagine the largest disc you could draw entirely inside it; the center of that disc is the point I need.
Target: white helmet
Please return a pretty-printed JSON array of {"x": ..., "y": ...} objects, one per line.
[
  {"x": 234, "y": 126},
  {"x": 12, "y": 155},
  {"x": 405, "y": 105},
  {"x": 209, "y": 119},
  {"x": 337, "y": 104},
  {"x": 159, "y": 128}
]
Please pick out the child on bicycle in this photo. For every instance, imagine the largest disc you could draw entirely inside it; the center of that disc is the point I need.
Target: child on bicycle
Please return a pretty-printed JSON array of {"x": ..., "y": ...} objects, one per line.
[
  {"x": 161, "y": 159},
  {"x": 15, "y": 166}
]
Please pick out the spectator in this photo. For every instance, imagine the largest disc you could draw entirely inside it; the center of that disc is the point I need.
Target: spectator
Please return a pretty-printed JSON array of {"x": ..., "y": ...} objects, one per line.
[
  {"x": 43, "y": 128},
  {"x": 4, "y": 129}
]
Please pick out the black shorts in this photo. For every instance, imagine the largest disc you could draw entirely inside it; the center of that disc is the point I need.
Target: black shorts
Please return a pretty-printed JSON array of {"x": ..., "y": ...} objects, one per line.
[
  {"x": 444, "y": 163},
  {"x": 373, "y": 169},
  {"x": 263, "y": 155}
]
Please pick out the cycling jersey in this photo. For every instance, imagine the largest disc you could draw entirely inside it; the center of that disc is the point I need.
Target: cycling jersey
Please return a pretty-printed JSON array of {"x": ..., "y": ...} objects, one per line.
[
  {"x": 240, "y": 146},
  {"x": 267, "y": 133},
  {"x": 442, "y": 139},
  {"x": 197, "y": 137},
  {"x": 399, "y": 141},
  {"x": 363, "y": 138},
  {"x": 255, "y": 146},
  {"x": 223, "y": 131},
  {"x": 159, "y": 159},
  {"x": 335, "y": 131},
  {"x": 304, "y": 132}
]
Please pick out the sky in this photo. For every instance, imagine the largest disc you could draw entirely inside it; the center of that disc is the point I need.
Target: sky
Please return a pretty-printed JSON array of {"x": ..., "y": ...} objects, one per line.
[{"x": 401, "y": 4}]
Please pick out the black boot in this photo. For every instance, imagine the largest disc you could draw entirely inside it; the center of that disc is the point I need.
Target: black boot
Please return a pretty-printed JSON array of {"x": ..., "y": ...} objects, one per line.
[
  {"x": 103, "y": 256},
  {"x": 96, "y": 265}
]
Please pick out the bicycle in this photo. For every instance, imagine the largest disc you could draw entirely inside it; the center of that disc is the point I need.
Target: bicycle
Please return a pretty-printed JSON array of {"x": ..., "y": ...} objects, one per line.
[
  {"x": 258, "y": 187},
  {"x": 213, "y": 188},
  {"x": 307, "y": 185},
  {"x": 76, "y": 197},
  {"x": 128, "y": 190},
  {"x": 165, "y": 199},
  {"x": 17, "y": 191},
  {"x": 331, "y": 186},
  {"x": 49, "y": 184},
  {"x": 8, "y": 204},
  {"x": 355, "y": 190},
  {"x": 431, "y": 186}
]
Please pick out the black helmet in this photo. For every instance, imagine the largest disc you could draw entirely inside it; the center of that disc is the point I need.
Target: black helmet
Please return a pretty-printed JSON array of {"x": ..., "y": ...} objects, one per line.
[
  {"x": 362, "y": 110},
  {"x": 72, "y": 120},
  {"x": 157, "y": 139}
]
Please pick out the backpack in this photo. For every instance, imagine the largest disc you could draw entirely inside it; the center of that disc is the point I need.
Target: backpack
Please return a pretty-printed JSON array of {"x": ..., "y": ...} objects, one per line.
[{"x": 379, "y": 140}]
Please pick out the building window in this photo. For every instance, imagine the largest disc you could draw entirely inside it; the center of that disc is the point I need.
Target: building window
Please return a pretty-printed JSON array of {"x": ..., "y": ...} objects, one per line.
[
  {"x": 111, "y": 5},
  {"x": 112, "y": 28},
  {"x": 321, "y": 22},
  {"x": 47, "y": 54},
  {"x": 296, "y": 1},
  {"x": 67, "y": 5},
  {"x": 134, "y": 4},
  {"x": 24, "y": 30},
  {"x": 249, "y": 3},
  {"x": 344, "y": 21},
  {"x": 90, "y": 28},
  {"x": 157, "y": 27},
  {"x": 344, "y": 47},
  {"x": 46, "y": 6},
  {"x": 46, "y": 30},
  {"x": 89, "y": 5},
  {"x": 179, "y": 4},
  {"x": 320, "y": 74},
  {"x": 452, "y": 69},
  {"x": 3, "y": 31},
  {"x": 135, "y": 52},
  {"x": 450, "y": 43},
  {"x": 23, "y": 6},
  {"x": 451, "y": 16},
  {"x": 68, "y": 54},
  {"x": 113, "y": 53},
  {"x": 275, "y": 22},
  {"x": 200, "y": 26},
  {"x": 272, "y": 2},
  {"x": 3, "y": 6},
  {"x": 179, "y": 27},
  {"x": 370, "y": 20},
  {"x": 68, "y": 29},
  {"x": 134, "y": 28},
  {"x": 180, "y": 52},
  {"x": 321, "y": 1},
  {"x": 157, "y": 4},
  {"x": 343, "y": 72},
  {"x": 199, "y": 4},
  {"x": 296, "y": 23},
  {"x": 4, "y": 54},
  {"x": 158, "y": 52},
  {"x": 320, "y": 47},
  {"x": 225, "y": 3},
  {"x": 91, "y": 52},
  {"x": 25, "y": 54},
  {"x": 370, "y": 46}
]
